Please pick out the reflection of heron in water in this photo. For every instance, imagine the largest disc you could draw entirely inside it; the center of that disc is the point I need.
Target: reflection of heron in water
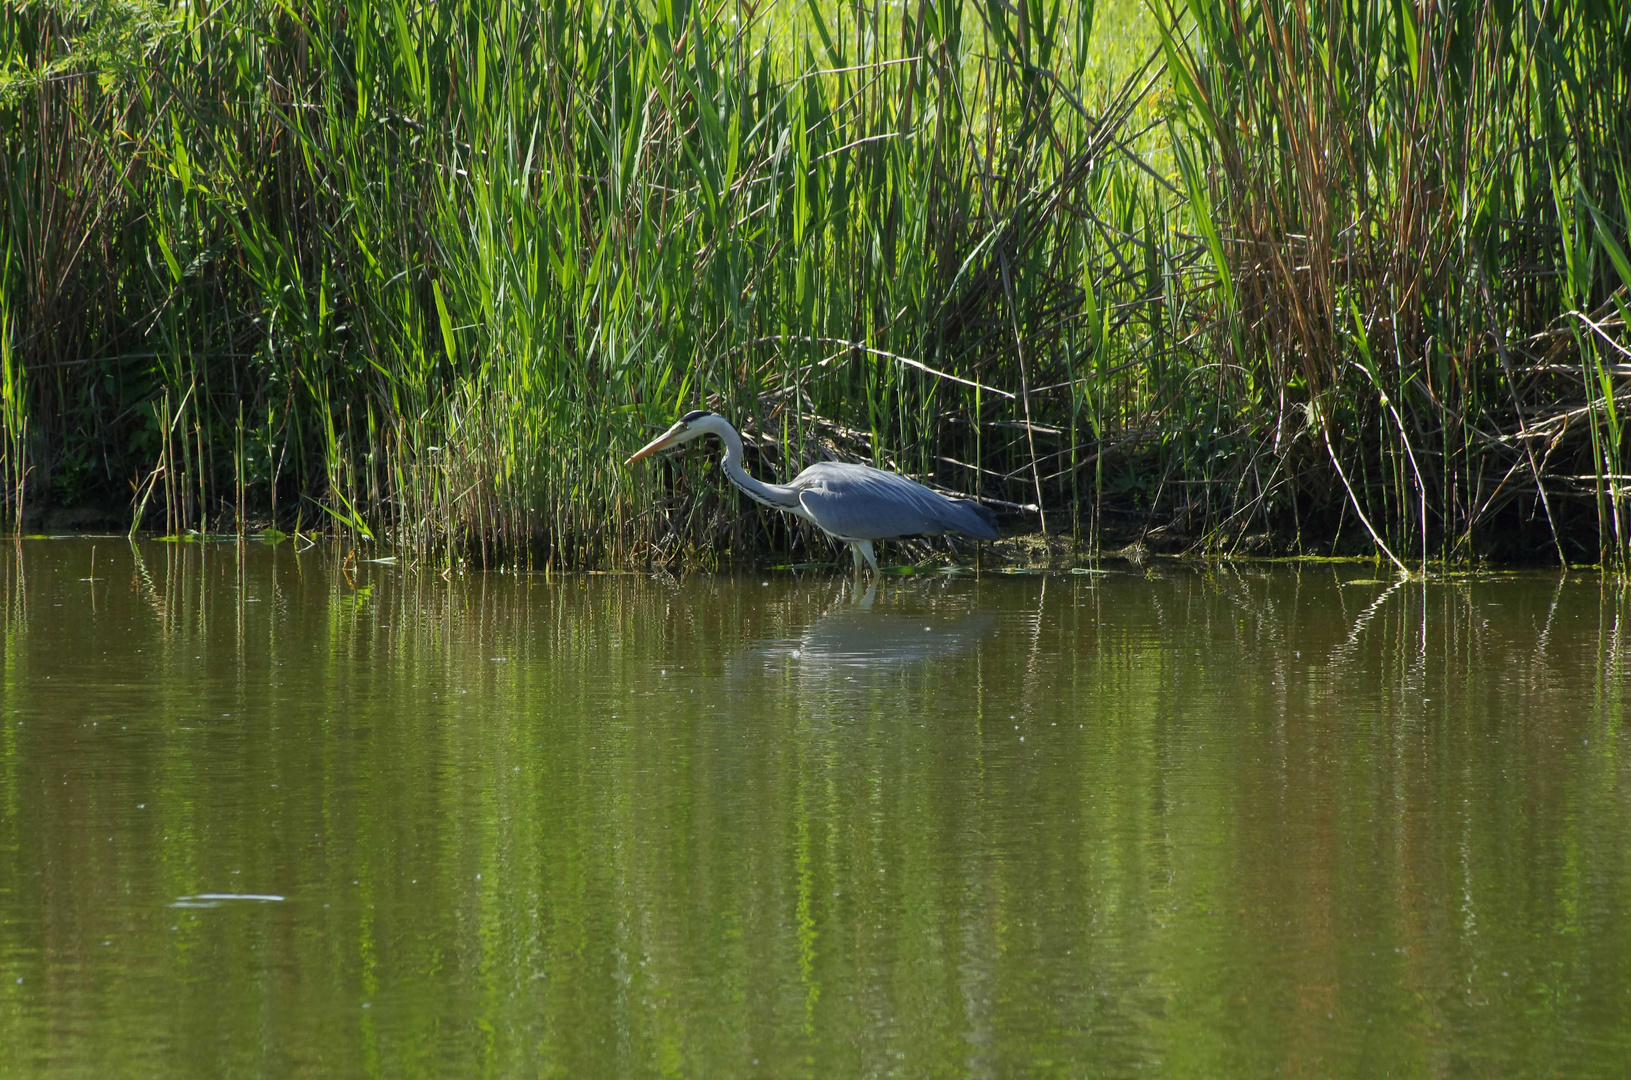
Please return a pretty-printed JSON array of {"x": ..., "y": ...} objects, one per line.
[{"x": 857, "y": 634}]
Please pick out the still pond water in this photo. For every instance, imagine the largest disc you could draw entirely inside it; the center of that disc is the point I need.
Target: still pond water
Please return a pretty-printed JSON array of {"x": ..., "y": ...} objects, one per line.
[{"x": 270, "y": 814}]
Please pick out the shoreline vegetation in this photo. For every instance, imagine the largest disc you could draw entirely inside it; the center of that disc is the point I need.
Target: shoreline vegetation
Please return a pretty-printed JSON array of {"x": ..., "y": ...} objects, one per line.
[{"x": 1346, "y": 278}]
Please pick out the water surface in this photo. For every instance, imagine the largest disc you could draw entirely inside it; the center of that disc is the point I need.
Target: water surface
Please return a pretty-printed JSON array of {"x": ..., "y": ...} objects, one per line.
[{"x": 275, "y": 814}]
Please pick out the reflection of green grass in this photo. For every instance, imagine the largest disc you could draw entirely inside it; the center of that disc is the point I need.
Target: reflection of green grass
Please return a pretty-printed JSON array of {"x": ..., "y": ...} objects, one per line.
[
  {"x": 1235, "y": 841},
  {"x": 429, "y": 272}
]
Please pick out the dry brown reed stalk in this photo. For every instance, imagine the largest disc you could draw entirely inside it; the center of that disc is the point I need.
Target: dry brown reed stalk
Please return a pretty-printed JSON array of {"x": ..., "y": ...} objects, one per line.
[{"x": 1381, "y": 238}]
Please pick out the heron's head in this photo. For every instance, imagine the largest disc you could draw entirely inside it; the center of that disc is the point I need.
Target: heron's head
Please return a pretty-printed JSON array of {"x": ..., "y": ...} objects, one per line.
[{"x": 693, "y": 425}]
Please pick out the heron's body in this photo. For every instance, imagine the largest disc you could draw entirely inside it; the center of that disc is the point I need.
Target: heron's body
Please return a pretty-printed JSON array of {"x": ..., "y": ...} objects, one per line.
[{"x": 853, "y": 503}]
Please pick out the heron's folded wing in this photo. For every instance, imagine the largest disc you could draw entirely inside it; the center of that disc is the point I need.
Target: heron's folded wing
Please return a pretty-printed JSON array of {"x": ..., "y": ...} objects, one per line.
[{"x": 860, "y": 503}]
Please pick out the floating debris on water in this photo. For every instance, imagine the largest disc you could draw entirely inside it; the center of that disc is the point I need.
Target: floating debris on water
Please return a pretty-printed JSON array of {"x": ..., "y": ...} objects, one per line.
[{"x": 215, "y": 899}]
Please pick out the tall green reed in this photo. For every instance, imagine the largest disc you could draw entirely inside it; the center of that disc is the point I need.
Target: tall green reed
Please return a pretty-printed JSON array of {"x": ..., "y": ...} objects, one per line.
[
  {"x": 425, "y": 273},
  {"x": 450, "y": 259}
]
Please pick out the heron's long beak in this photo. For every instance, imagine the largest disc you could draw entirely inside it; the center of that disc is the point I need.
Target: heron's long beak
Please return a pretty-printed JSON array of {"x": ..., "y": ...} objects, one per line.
[{"x": 666, "y": 439}]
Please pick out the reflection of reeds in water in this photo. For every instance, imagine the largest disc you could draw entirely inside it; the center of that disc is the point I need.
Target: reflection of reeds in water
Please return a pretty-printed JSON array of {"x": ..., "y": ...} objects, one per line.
[
  {"x": 1231, "y": 789},
  {"x": 13, "y": 582}
]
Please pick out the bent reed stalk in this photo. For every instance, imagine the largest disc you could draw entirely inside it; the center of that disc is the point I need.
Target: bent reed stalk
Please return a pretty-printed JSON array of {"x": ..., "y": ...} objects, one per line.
[{"x": 1332, "y": 278}]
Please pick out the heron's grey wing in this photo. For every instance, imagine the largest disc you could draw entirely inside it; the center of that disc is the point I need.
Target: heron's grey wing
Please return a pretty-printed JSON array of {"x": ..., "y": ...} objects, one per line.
[{"x": 857, "y": 502}]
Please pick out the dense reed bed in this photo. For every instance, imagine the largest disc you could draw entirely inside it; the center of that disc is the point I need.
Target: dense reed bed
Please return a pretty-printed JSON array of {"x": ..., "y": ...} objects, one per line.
[{"x": 1349, "y": 277}]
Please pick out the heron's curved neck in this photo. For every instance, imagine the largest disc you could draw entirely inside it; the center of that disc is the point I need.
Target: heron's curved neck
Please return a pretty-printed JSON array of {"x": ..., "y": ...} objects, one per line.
[{"x": 776, "y": 495}]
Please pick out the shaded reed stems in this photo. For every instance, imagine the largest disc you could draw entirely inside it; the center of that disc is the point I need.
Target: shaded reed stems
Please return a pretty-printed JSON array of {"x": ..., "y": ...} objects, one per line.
[{"x": 1304, "y": 278}]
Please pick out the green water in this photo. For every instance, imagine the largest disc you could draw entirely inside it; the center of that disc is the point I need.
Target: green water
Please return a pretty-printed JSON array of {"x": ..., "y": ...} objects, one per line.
[{"x": 1226, "y": 822}]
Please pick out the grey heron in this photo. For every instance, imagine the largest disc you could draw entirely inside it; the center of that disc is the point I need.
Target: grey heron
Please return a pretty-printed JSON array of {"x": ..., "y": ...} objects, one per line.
[{"x": 853, "y": 503}]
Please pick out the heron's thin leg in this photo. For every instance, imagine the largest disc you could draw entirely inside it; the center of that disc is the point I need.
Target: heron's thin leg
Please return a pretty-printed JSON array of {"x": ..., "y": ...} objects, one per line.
[{"x": 863, "y": 550}]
